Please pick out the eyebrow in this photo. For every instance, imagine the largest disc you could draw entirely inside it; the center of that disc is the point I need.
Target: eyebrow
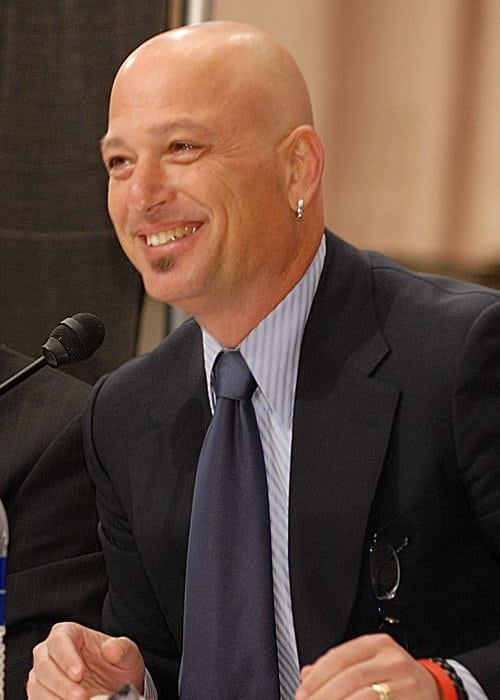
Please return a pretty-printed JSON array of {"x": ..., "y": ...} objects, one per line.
[{"x": 158, "y": 131}]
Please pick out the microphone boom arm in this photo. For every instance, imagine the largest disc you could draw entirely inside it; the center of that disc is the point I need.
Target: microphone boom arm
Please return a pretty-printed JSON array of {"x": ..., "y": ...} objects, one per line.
[{"x": 23, "y": 374}]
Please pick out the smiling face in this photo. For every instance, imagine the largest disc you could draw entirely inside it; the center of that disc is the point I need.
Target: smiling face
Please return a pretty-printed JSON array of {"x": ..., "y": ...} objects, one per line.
[{"x": 200, "y": 178}]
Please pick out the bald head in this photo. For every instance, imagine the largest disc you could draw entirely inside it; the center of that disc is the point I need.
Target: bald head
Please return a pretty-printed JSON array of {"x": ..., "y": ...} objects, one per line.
[
  {"x": 237, "y": 63},
  {"x": 211, "y": 154}
]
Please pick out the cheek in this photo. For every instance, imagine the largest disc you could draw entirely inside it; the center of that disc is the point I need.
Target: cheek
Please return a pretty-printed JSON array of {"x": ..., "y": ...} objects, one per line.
[
  {"x": 116, "y": 205},
  {"x": 118, "y": 214}
]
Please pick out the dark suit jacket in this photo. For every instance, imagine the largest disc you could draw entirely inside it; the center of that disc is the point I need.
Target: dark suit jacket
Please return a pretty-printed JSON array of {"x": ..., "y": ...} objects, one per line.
[
  {"x": 55, "y": 564},
  {"x": 396, "y": 432}
]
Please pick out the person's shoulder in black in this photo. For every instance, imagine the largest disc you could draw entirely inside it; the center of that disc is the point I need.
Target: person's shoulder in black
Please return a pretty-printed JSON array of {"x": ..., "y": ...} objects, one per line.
[{"x": 55, "y": 565}]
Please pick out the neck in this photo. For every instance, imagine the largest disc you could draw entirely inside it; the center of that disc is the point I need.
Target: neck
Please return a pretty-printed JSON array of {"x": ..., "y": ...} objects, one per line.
[
  {"x": 229, "y": 315},
  {"x": 230, "y": 324},
  {"x": 230, "y": 321}
]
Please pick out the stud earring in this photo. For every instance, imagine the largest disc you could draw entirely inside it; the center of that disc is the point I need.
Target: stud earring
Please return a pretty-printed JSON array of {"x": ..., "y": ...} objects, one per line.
[{"x": 300, "y": 210}]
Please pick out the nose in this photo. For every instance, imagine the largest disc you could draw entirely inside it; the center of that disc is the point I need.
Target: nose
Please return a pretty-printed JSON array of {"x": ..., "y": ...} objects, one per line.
[{"x": 149, "y": 186}]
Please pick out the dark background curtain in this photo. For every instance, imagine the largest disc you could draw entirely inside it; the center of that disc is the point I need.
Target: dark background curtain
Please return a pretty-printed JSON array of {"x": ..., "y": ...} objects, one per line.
[{"x": 58, "y": 252}]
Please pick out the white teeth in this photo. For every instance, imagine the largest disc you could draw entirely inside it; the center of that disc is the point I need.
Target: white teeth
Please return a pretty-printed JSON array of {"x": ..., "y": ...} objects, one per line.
[{"x": 173, "y": 234}]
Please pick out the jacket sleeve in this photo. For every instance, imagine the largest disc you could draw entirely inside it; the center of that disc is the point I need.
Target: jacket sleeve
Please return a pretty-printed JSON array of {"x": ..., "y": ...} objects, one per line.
[
  {"x": 477, "y": 437},
  {"x": 131, "y": 607}
]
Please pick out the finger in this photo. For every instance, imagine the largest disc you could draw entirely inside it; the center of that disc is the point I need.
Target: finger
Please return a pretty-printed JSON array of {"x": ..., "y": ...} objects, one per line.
[
  {"x": 48, "y": 678},
  {"x": 124, "y": 656},
  {"x": 52, "y": 686},
  {"x": 337, "y": 660},
  {"x": 122, "y": 662},
  {"x": 121, "y": 652},
  {"x": 330, "y": 692},
  {"x": 63, "y": 646},
  {"x": 352, "y": 682}
]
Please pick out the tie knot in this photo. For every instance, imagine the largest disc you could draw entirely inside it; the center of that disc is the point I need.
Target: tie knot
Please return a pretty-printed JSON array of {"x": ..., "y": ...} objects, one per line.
[{"x": 233, "y": 379}]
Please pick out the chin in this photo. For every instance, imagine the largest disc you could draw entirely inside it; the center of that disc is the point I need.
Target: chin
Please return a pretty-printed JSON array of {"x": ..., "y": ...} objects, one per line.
[{"x": 161, "y": 289}]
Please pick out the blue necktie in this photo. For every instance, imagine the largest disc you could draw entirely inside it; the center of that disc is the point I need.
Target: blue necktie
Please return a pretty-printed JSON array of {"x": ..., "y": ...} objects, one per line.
[{"x": 229, "y": 641}]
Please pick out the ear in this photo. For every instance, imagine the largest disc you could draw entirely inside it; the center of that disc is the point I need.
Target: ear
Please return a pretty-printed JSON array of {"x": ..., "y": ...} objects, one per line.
[{"x": 306, "y": 159}]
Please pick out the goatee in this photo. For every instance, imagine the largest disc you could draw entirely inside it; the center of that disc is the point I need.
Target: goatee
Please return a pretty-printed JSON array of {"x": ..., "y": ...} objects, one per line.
[{"x": 162, "y": 264}]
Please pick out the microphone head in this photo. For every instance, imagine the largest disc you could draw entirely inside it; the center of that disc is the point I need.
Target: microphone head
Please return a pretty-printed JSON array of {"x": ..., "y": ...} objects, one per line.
[{"x": 74, "y": 339}]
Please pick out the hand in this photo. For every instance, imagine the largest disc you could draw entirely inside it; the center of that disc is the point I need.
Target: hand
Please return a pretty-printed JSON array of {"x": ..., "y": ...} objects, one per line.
[
  {"x": 347, "y": 672},
  {"x": 75, "y": 663}
]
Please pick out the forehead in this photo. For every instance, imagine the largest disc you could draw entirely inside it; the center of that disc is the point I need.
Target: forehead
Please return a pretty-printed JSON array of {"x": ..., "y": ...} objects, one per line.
[
  {"x": 157, "y": 116},
  {"x": 117, "y": 137},
  {"x": 184, "y": 85},
  {"x": 167, "y": 78}
]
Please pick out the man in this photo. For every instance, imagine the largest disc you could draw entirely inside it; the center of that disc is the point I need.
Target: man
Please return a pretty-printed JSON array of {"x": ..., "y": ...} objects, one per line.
[
  {"x": 55, "y": 563},
  {"x": 378, "y": 400}
]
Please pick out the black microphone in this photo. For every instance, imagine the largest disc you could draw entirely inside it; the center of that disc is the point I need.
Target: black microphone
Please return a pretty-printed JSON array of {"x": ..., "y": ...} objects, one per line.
[{"x": 74, "y": 339}]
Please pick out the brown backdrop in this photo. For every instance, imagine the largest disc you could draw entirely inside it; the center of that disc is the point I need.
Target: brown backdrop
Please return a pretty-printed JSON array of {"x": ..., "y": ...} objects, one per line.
[{"x": 407, "y": 99}]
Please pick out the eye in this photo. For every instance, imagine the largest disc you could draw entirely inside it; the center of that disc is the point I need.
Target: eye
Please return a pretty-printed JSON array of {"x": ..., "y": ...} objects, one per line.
[
  {"x": 115, "y": 162},
  {"x": 184, "y": 151},
  {"x": 182, "y": 146},
  {"x": 117, "y": 166}
]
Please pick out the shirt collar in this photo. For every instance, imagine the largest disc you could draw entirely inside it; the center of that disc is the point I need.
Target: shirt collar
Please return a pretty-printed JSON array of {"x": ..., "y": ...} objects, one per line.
[{"x": 272, "y": 349}]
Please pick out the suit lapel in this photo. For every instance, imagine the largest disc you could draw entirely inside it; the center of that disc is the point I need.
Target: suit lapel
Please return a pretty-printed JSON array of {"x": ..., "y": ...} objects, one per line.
[
  {"x": 168, "y": 456},
  {"x": 342, "y": 423}
]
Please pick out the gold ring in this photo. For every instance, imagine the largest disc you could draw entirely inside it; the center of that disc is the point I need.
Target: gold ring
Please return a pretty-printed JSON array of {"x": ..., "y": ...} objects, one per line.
[{"x": 383, "y": 690}]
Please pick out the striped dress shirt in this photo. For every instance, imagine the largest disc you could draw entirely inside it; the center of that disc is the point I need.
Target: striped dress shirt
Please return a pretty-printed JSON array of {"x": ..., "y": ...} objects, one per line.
[{"x": 272, "y": 352}]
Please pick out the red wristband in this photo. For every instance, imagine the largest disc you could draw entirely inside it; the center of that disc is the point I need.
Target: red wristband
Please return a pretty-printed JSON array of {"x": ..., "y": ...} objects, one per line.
[{"x": 446, "y": 685}]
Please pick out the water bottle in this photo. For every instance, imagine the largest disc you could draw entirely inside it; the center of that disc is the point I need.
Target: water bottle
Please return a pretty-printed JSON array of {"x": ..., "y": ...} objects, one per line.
[{"x": 4, "y": 541}]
